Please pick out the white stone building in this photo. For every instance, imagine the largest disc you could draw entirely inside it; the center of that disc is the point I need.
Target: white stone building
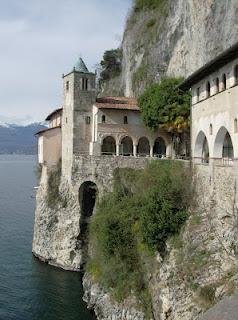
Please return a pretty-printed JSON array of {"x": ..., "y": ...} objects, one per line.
[
  {"x": 49, "y": 140},
  {"x": 87, "y": 125},
  {"x": 214, "y": 110}
]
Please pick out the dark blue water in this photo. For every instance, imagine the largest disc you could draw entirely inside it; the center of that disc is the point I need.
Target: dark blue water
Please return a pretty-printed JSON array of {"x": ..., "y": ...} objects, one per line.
[{"x": 29, "y": 289}]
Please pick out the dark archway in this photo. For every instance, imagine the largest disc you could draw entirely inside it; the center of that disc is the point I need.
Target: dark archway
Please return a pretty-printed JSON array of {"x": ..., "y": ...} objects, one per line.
[
  {"x": 159, "y": 149},
  {"x": 87, "y": 199},
  {"x": 227, "y": 150},
  {"x": 108, "y": 146},
  {"x": 201, "y": 151},
  {"x": 143, "y": 148},
  {"x": 205, "y": 151},
  {"x": 126, "y": 147}
]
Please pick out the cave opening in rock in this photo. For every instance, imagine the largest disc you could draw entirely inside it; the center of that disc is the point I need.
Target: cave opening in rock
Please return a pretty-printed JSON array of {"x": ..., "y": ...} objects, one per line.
[{"x": 87, "y": 199}]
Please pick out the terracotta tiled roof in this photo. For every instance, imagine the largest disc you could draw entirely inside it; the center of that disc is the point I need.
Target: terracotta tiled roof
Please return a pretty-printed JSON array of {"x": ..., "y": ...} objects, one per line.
[
  {"x": 120, "y": 103},
  {"x": 52, "y": 113},
  {"x": 46, "y": 129}
]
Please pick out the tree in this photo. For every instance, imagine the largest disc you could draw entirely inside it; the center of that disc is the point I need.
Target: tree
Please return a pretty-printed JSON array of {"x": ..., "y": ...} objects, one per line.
[
  {"x": 111, "y": 64},
  {"x": 165, "y": 106}
]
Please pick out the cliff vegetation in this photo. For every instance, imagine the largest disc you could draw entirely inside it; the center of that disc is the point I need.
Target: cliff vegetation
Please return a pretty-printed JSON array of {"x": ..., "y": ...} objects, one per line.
[{"x": 130, "y": 227}]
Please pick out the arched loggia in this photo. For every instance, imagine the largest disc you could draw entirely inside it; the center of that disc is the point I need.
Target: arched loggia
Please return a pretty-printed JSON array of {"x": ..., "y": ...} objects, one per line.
[
  {"x": 126, "y": 147},
  {"x": 108, "y": 146},
  {"x": 223, "y": 146},
  {"x": 143, "y": 147},
  {"x": 159, "y": 149}
]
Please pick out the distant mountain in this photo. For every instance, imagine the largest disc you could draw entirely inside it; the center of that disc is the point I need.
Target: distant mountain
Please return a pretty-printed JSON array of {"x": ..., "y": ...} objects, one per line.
[{"x": 17, "y": 139}]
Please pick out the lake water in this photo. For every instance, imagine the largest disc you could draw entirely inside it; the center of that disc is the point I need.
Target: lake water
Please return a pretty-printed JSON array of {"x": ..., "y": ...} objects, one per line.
[{"x": 29, "y": 289}]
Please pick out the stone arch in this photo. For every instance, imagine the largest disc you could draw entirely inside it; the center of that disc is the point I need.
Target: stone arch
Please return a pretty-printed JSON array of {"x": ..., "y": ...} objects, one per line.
[
  {"x": 201, "y": 150},
  {"x": 126, "y": 146},
  {"x": 87, "y": 198},
  {"x": 108, "y": 146},
  {"x": 143, "y": 147},
  {"x": 159, "y": 149},
  {"x": 223, "y": 146}
]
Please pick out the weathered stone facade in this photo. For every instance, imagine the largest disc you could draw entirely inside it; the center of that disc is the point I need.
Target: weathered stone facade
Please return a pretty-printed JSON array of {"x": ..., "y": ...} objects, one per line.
[{"x": 57, "y": 230}]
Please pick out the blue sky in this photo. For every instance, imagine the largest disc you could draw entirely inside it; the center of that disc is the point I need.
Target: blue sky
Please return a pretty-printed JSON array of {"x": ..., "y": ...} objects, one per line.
[{"x": 41, "y": 39}]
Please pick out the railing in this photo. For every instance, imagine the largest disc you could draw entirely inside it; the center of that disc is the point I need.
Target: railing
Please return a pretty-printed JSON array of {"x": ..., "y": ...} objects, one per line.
[
  {"x": 227, "y": 162},
  {"x": 216, "y": 161}
]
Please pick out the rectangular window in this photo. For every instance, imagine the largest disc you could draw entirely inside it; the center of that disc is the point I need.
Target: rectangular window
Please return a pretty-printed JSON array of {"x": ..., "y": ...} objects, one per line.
[
  {"x": 103, "y": 119},
  {"x": 67, "y": 85},
  {"x": 88, "y": 120},
  {"x": 198, "y": 94},
  {"x": 125, "y": 120}
]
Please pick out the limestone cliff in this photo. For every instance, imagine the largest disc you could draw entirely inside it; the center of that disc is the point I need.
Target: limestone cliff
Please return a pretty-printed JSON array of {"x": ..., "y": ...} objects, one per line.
[
  {"x": 201, "y": 265},
  {"x": 175, "y": 39}
]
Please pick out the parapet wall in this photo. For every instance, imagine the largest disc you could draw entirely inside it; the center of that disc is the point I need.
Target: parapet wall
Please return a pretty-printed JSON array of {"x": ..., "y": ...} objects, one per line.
[{"x": 100, "y": 169}]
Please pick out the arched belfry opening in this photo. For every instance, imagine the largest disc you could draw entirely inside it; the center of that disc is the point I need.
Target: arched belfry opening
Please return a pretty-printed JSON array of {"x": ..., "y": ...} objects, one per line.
[{"x": 87, "y": 200}]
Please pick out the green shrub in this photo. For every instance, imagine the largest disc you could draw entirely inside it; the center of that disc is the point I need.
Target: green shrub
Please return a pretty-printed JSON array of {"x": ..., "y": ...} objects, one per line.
[
  {"x": 207, "y": 294},
  {"x": 151, "y": 23},
  {"x": 165, "y": 204},
  {"x": 166, "y": 106},
  {"x": 144, "y": 210},
  {"x": 149, "y": 4},
  {"x": 111, "y": 64}
]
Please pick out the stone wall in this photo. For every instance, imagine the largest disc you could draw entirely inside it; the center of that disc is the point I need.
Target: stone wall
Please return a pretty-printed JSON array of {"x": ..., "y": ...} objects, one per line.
[
  {"x": 57, "y": 230},
  {"x": 201, "y": 266},
  {"x": 203, "y": 258}
]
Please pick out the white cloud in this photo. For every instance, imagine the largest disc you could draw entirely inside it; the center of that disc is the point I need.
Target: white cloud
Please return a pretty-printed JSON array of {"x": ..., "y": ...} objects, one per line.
[{"x": 40, "y": 40}]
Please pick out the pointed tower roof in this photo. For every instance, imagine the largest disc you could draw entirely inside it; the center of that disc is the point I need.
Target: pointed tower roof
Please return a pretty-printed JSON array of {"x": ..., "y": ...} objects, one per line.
[{"x": 80, "y": 66}]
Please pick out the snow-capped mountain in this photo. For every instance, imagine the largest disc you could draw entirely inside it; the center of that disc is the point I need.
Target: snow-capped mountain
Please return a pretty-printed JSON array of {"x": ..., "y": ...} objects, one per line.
[{"x": 19, "y": 139}]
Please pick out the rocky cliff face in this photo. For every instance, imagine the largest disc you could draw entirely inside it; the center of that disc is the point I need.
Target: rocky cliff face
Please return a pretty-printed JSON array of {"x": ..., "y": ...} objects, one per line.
[
  {"x": 174, "y": 40},
  {"x": 201, "y": 265}
]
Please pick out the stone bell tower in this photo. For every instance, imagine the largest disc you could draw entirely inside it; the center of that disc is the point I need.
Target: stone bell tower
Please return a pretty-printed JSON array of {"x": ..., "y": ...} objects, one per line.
[{"x": 79, "y": 97}]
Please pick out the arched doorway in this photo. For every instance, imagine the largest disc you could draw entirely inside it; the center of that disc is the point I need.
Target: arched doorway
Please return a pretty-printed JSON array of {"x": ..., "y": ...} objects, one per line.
[
  {"x": 126, "y": 147},
  {"x": 143, "y": 147},
  {"x": 87, "y": 199},
  {"x": 159, "y": 149},
  {"x": 201, "y": 151},
  {"x": 223, "y": 147},
  {"x": 108, "y": 146}
]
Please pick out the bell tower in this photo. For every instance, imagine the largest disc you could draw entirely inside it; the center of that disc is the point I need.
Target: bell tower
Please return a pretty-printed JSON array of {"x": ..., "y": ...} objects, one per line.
[{"x": 79, "y": 87}]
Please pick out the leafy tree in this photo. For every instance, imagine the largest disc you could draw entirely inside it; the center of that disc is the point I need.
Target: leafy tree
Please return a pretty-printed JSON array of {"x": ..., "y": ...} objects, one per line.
[
  {"x": 111, "y": 64},
  {"x": 164, "y": 105}
]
